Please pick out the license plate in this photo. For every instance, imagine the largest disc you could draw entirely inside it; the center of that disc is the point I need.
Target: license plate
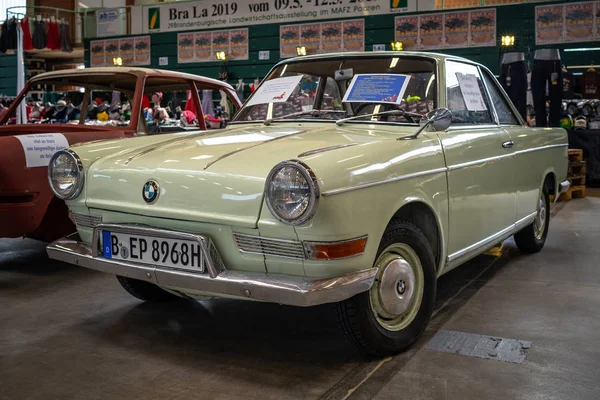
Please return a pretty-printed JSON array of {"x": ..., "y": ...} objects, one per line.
[{"x": 164, "y": 252}]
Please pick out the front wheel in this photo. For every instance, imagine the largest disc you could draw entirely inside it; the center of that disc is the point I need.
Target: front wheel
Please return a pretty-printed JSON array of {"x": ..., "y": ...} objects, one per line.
[
  {"x": 394, "y": 313},
  {"x": 532, "y": 238}
]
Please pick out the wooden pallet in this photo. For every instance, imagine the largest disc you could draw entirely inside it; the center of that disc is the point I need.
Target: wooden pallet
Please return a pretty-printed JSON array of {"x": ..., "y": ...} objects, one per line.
[
  {"x": 576, "y": 168},
  {"x": 575, "y": 155},
  {"x": 577, "y": 180},
  {"x": 576, "y": 192}
]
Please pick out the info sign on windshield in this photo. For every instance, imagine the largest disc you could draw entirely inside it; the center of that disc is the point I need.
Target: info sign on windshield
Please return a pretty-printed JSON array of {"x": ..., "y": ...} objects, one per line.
[{"x": 377, "y": 88}]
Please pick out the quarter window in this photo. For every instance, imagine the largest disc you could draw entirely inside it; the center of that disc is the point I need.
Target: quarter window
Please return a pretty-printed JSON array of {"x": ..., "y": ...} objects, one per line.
[
  {"x": 505, "y": 114},
  {"x": 465, "y": 94}
]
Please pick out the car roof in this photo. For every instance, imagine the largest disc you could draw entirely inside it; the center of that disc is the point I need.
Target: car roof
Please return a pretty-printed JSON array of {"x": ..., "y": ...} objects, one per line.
[
  {"x": 130, "y": 70},
  {"x": 437, "y": 56}
]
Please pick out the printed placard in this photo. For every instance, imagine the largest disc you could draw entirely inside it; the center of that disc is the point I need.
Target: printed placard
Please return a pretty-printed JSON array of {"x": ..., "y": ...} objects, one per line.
[
  {"x": 40, "y": 148},
  {"x": 331, "y": 37},
  {"x": 111, "y": 49},
  {"x": 579, "y": 22},
  {"x": 97, "y": 53},
  {"x": 353, "y": 38},
  {"x": 483, "y": 27},
  {"x": 470, "y": 92},
  {"x": 310, "y": 37},
  {"x": 407, "y": 31},
  {"x": 275, "y": 90},
  {"x": 377, "y": 88},
  {"x": 239, "y": 44},
  {"x": 289, "y": 39},
  {"x": 220, "y": 41},
  {"x": 142, "y": 50},
  {"x": 549, "y": 24},
  {"x": 431, "y": 30},
  {"x": 202, "y": 46},
  {"x": 185, "y": 48},
  {"x": 456, "y": 29},
  {"x": 126, "y": 51}
]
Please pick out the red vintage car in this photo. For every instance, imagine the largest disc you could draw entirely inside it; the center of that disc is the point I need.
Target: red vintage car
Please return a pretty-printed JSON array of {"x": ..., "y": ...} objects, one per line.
[{"x": 67, "y": 107}]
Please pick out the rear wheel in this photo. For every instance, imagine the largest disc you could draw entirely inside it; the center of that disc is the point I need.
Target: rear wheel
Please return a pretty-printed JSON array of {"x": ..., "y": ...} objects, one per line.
[
  {"x": 145, "y": 291},
  {"x": 532, "y": 238},
  {"x": 393, "y": 314}
]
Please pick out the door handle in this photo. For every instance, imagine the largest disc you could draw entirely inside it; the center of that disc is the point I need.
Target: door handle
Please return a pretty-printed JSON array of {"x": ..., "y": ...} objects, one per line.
[{"x": 508, "y": 144}]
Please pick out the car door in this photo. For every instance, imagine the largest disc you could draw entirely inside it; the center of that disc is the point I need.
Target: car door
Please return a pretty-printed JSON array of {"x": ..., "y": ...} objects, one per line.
[
  {"x": 529, "y": 168},
  {"x": 479, "y": 159}
]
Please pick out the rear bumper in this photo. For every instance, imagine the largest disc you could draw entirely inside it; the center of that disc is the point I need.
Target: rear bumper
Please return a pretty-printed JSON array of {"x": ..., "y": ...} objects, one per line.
[
  {"x": 282, "y": 289},
  {"x": 562, "y": 188}
]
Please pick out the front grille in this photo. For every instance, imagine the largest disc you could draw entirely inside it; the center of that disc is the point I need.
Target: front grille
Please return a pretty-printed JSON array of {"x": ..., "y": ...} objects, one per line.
[
  {"x": 86, "y": 220},
  {"x": 270, "y": 247}
]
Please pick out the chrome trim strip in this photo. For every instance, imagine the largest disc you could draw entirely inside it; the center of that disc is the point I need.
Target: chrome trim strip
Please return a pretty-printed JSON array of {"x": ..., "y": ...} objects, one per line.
[
  {"x": 489, "y": 96},
  {"x": 383, "y": 182},
  {"x": 324, "y": 149},
  {"x": 475, "y": 249},
  {"x": 283, "y": 289},
  {"x": 212, "y": 258},
  {"x": 550, "y": 146},
  {"x": 261, "y": 239},
  {"x": 477, "y": 162}
]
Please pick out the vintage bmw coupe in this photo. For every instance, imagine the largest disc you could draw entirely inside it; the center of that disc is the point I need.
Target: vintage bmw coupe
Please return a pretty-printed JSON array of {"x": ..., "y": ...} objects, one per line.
[{"x": 355, "y": 179}]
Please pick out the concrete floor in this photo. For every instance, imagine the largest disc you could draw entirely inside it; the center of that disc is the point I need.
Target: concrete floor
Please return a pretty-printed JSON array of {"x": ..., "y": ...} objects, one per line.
[{"x": 69, "y": 333}]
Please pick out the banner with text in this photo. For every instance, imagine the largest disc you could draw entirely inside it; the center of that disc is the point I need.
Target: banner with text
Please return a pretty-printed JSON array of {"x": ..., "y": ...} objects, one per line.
[
  {"x": 212, "y": 14},
  {"x": 572, "y": 22},
  {"x": 475, "y": 28},
  {"x": 322, "y": 37},
  {"x": 132, "y": 50},
  {"x": 203, "y": 46}
]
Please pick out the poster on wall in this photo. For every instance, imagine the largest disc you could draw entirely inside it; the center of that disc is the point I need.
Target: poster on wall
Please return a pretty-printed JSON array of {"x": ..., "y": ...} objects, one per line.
[
  {"x": 289, "y": 39},
  {"x": 185, "y": 48},
  {"x": 456, "y": 29},
  {"x": 111, "y": 50},
  {"x": 331, "y": 37},
  {"x": 353, "y": 38},
  {"x": 310, "y": 37},
  {"x": 202, "y": 46},
  {"x": 407, "y": 31},
  {"x": 483, "y": 27},
  {"x": 239, "y": 44},
  {"x": 126, "y": 51},
  {"x": 97, "y": 53},
  {"x": 579, "y": 22},
  {"x": 142, "y": 50},
  {"x": 431, "y": 29},
  {"x": 549, "y": 24}
]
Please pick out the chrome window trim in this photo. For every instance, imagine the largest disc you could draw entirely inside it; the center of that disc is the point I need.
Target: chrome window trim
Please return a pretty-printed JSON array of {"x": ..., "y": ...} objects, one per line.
[
  {"x": 489, "y": 96},
  {"x": 506, "y": 99},
  {"x": 384, "y": 181},
  {"x": 460, "y": 256}
]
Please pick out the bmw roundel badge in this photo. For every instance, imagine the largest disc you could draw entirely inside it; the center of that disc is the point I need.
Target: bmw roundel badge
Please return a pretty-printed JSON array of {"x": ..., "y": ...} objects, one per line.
[{"x": 150, "y": 191}]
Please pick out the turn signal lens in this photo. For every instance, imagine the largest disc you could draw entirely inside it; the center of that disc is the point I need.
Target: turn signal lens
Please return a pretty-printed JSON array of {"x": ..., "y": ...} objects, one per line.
[{"x": 334, "y": 250}]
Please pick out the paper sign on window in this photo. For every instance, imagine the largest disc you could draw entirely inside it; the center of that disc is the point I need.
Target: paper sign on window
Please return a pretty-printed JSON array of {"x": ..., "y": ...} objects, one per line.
[
  {"x": 275, "y": 90},
  {"x": 469, "y": 88},
  {"x": 377, "y": 88}
]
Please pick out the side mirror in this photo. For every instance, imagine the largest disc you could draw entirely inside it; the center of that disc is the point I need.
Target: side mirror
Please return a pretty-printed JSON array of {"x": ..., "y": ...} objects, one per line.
[{"x": 437, "y": 120}]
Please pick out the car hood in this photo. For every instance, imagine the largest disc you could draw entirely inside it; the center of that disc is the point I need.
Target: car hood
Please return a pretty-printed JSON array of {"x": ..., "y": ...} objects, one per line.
[{"x": 217, "y": 177}]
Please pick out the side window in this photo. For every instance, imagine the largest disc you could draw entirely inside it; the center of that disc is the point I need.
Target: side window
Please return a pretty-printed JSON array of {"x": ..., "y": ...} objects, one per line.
[
  {"x": 465, "y": 94},
  {"x": 505, "y": 114}
]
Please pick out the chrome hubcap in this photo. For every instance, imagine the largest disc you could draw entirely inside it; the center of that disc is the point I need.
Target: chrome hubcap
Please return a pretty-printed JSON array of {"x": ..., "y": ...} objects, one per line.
[
  {"x": 396, "y": 287},
  {"x": 398, "y": 290},
  {"x": 539, "y": 223}
]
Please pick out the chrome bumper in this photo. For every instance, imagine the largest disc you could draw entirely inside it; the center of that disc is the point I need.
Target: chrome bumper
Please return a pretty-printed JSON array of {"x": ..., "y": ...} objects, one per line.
[
  {"x": 282, "y": 289},
  {"x": 562, "y": 188}
]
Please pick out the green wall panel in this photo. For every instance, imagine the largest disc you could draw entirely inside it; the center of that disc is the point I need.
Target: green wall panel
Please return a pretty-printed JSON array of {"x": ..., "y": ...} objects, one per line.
[
  {"x": 517, "y": 20},
  {"x": 8, "y": 74}
]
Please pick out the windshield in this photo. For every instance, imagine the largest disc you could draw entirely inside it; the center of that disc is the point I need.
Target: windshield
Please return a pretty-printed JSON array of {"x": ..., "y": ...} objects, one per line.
[{"x": 342, "y": 87}]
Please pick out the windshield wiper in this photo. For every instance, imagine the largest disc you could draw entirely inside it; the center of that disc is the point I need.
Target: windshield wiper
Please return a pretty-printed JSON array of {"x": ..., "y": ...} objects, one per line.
[
  {"x": 307, "y": 112},
  {"x": 340, "y": 122}
]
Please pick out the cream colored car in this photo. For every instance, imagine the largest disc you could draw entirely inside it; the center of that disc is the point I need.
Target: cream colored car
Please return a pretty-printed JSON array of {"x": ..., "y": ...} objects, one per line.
[{"x": 355, "y": 179}]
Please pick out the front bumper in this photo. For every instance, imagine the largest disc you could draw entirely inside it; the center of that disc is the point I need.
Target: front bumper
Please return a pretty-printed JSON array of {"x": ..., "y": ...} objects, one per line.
[{"x": 282, "y": 289}]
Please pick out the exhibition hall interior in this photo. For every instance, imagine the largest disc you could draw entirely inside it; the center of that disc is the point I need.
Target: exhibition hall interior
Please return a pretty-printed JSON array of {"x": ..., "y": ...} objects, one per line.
[{"x": 299, "y": 199}]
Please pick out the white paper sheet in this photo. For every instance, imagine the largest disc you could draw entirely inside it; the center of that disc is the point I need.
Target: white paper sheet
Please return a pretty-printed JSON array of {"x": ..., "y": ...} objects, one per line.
[
  {"x": 276, "y": 90},
  {"x": 40, "y": 148},
  {"x": 470, "y": 91}
]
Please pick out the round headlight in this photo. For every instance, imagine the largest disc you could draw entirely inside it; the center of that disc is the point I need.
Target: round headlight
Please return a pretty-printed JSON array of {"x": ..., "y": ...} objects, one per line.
[
  {"x": 292, "y": 192},
  {"x": 65, "y": 174}
]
